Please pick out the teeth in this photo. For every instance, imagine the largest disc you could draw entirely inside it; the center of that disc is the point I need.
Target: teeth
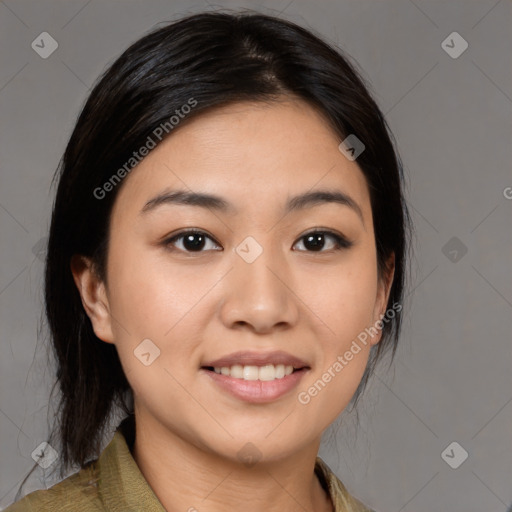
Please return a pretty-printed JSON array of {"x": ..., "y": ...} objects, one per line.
[
  {"x": 250, "y": 372},
  {"x": 280, "y": 371},
  {"x": 236, "y": 371}
]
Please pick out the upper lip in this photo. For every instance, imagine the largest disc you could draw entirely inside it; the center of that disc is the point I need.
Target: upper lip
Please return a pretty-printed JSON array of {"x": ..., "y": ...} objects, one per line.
[{"x": 246, "y": 358}]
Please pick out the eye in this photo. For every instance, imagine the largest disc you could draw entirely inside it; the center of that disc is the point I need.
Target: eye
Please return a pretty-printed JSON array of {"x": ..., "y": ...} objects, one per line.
[
  {"x": 315, "y": 241},
  {"x": 191, "y": 241}
]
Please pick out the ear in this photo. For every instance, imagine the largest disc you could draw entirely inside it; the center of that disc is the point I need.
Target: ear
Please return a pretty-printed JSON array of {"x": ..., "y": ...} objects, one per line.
[
  {"x": 383, "y": 291},
  {"x": 94, "y": 297}
]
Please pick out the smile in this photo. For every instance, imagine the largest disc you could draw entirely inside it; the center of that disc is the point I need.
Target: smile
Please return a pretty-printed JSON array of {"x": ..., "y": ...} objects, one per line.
[
  {"x": 267, "y": 372},
  {"x": 255, "y": 377}
]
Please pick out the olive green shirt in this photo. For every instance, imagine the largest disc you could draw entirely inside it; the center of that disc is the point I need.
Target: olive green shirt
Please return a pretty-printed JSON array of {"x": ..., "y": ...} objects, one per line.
[{"x": 114, "y": 483}]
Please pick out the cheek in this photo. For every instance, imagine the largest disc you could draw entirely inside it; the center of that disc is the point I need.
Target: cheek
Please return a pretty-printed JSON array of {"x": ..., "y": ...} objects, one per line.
[
  {"x": 357, "y": 297},
  {"x": 152, "y": 299},
  {"x": 344, "y": 300},
  {"x": 149, "y": 294},
  {"x": 345, "y": 304}
]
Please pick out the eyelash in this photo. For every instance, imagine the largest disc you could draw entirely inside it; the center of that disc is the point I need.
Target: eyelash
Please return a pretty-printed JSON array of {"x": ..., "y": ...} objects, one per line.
[{"x": 340, "y": 241}]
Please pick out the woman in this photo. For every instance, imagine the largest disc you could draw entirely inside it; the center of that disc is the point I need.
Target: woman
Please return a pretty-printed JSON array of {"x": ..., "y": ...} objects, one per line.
[{"x": 226, "y": 264}]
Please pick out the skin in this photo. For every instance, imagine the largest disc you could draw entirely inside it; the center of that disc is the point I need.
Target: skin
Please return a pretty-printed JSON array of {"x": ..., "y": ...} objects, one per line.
[{"x": 197, "y": 306}]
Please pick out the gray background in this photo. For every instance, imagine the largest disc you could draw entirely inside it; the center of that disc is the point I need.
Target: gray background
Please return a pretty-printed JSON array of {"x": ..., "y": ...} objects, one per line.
[{"x": 452, "y": 118}]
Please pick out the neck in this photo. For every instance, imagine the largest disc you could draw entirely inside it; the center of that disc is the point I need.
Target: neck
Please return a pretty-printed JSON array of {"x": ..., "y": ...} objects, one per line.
[{"x": 186, "y": 478}]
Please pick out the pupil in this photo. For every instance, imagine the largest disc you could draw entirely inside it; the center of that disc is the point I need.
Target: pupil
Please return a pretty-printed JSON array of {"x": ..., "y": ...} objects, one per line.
[
  {"x": 189, "y": 243},
  {"x": 315, "y": 241}
]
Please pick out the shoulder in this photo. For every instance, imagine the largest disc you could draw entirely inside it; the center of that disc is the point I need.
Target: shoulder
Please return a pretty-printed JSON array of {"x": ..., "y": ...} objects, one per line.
[{"x": 76, "y": 493}]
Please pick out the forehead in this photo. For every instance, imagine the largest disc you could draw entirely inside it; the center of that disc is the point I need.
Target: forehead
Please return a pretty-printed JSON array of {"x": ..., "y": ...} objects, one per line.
[{"x": 251, "y": 153}]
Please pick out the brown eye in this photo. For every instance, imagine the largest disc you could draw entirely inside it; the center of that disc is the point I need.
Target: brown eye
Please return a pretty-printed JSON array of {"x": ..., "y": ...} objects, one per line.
[
  {"x": 191, "y": 241},
  {"x": 316, "y": 241}
]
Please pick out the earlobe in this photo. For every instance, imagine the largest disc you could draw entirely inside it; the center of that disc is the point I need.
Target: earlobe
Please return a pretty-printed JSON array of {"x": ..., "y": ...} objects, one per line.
[
  {"x": 94, "y": 298},
  {"x": 385, "y": 283}
]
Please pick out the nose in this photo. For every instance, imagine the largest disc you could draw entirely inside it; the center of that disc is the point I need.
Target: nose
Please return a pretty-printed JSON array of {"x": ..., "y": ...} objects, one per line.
[{"x": 259, "y": 296}]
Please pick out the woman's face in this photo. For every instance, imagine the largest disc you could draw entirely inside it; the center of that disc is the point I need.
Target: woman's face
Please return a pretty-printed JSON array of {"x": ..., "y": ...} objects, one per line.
[{"x": 252, "y": 293}]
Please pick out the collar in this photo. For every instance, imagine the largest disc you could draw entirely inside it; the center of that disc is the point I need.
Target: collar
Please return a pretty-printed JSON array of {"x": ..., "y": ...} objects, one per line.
[{"x": 123, "y": 487}]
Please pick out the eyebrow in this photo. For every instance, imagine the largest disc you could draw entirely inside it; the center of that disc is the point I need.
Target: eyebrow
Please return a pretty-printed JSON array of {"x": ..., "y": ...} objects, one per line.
[{"x": 210, "y": 201}]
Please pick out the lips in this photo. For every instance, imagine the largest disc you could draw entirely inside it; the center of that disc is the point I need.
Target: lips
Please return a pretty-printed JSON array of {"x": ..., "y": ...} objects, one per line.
[
  {"x": 248, "y": 358},
  {"x": 256, "y": 377}
]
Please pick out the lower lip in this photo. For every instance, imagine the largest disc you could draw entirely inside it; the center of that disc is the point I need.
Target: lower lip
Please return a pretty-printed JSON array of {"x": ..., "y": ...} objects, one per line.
[{"x": 257, "y": 391}]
